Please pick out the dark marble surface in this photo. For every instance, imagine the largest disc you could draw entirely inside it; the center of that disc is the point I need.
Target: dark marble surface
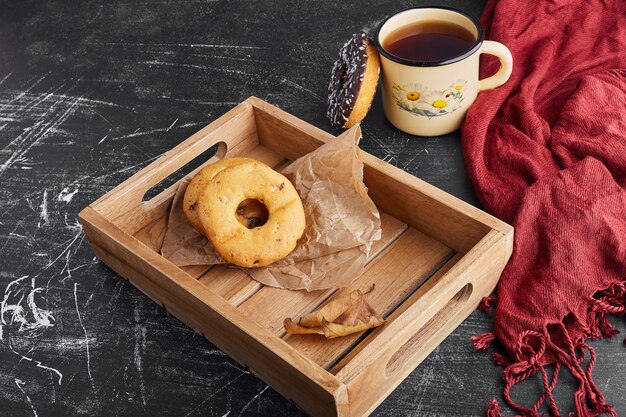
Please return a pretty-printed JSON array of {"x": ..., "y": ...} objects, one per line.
[{"x": 90, "y": 92}]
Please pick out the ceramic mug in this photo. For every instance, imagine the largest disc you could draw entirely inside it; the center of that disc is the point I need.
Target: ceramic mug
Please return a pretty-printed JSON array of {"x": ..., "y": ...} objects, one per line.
[{"x": 430, "y": 98}]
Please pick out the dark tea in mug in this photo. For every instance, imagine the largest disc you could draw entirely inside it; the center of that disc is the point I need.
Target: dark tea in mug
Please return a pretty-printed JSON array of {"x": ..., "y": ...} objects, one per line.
[{"x": 429, "y": 40}]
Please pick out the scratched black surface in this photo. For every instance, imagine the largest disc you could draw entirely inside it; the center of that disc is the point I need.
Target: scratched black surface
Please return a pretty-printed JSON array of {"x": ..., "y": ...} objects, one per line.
[{"x": 92, "y": 91}]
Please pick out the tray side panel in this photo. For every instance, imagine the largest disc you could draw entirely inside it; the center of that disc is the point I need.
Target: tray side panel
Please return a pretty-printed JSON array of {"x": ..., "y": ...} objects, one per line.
[
  {"x": 315, "y": 390},
  {"x": 433, "y": 211},
  {"x": 447, "y": 219},
  {"x": 390, "y": 353},
  {"x": 285, "y": 133}
]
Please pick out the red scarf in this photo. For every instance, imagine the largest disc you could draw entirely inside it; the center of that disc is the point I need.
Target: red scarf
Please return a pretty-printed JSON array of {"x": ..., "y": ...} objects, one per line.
[{"x": 546, "y": 152}]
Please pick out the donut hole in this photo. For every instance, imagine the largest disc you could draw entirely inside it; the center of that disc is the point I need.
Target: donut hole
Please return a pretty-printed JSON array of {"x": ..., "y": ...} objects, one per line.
[{"x": 252, "y": 213}]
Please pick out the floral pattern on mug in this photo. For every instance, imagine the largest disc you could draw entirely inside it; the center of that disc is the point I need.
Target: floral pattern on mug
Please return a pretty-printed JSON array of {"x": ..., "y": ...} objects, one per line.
[{"x": 419, "y": 100}]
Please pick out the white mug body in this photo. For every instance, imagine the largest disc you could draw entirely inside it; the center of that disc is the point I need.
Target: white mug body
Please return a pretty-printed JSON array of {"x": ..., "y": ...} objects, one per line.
[{"x": 431, "y": 98}]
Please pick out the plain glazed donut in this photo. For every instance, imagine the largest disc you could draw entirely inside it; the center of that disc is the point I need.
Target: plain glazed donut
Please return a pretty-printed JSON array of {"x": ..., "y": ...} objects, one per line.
[
  {"x": 353, "y": 82},
  {"x": 257, "y": 246},
  {"x": 197, "y": 184}
]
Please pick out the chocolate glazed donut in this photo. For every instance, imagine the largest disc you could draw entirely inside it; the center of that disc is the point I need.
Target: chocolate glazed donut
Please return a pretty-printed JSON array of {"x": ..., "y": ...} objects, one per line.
[{"x": 353, "y": 82}]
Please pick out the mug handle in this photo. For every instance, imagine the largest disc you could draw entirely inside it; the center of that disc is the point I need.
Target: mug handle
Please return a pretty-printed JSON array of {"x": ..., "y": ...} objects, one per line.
[{"x": 506, "y": 65}]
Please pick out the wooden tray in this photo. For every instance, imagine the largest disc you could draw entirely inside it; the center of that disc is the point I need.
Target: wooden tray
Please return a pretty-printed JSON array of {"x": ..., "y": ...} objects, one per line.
[{"x": 437, "y": 258}]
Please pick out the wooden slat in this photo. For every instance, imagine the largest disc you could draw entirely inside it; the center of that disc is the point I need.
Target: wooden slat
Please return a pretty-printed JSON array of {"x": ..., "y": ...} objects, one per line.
[
  {"x": 236, "y": 286},
  {"x": 270, "y": 306},
  {"x": 397, "y": 273},
  {"x": 152, "y": 236}
]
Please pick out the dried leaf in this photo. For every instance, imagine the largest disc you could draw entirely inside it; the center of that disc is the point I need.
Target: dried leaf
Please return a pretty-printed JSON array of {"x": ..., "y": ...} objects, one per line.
[
  {"x": 346, "y": 315},
  {"x": 358, "y": 317},
  {"x": 294, "y": 328},
  {"x": 331, "y": 310},
  {"x": 333, "y": 330}
]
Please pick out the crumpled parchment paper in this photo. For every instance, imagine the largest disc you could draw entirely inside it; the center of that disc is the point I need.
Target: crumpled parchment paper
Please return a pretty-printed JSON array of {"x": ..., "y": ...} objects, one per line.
[{"x": 342, "y": 222}]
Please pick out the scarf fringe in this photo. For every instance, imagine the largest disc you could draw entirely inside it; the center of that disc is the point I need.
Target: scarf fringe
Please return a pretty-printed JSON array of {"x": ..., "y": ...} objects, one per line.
[
  {"x": 610, "y": 301},
  {"x": 493, "y": 409},
  {"x": 488, "y": 304},
  {"x": 533, "y": 347},
  {"x": 483, "y": 341}
]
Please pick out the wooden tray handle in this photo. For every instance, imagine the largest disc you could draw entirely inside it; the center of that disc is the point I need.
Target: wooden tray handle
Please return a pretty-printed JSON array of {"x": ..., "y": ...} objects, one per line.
[
  {"x": 408, "y": 352},
  {"x": 220, "y": 151},
  {"x": 235, "y": 131},
  {"x": 406, "y": 342}
]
